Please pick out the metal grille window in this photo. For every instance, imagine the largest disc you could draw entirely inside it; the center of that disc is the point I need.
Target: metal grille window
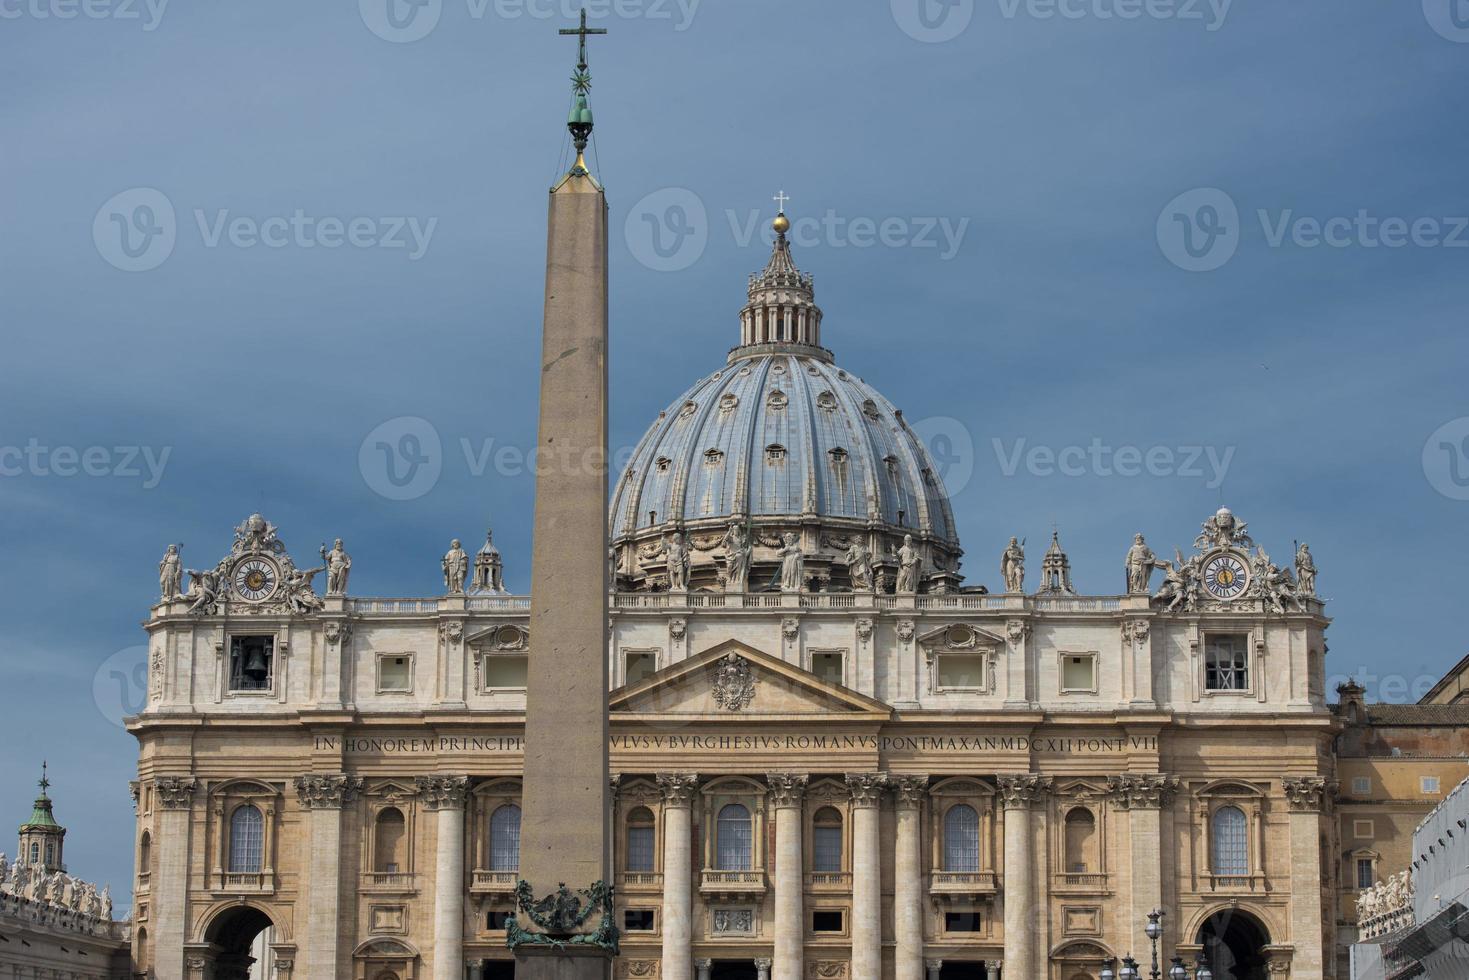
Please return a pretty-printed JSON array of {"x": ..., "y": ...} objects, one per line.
[
  {"x": 734, "y": 838},
  {"x": 640, "y": 841},
  {"x": 1226, "y": 662},
  {"x": 826, "y": 841},
  {"x": 1365, "y": 876},
  {"x": 247, "y": 840},
  {"x": 505, "y": 838},
  {"x": 1231, "y": 842},
  {"x": 961, "y": 839}
]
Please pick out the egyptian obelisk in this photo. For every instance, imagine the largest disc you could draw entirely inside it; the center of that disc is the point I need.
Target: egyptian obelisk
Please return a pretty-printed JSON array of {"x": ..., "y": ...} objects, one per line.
[{"x": 565, "y": 794}]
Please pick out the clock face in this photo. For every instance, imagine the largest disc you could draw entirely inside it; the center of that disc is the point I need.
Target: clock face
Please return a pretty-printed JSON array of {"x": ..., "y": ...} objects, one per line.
[
  {"x": 256, "y": 579},
  {"x": 1226, "y": 576}
]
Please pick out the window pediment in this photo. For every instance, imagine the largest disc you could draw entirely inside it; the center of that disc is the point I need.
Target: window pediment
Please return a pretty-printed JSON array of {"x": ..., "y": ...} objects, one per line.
[{"x": 961, "y": 636}]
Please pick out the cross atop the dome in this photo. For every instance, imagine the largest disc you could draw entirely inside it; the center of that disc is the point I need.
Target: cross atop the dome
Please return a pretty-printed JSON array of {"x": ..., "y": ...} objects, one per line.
[
  {"x": 45, "y": 783},
  {"x": 780, "y": 200}
]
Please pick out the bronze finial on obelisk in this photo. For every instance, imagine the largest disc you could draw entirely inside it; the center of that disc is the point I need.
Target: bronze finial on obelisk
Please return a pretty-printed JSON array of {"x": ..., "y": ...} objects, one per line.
[{"x": 563, "y": 925}]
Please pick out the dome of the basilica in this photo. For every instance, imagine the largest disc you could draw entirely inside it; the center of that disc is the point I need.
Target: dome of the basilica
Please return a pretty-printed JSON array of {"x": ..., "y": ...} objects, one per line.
[{"x": 782, "y": 440}]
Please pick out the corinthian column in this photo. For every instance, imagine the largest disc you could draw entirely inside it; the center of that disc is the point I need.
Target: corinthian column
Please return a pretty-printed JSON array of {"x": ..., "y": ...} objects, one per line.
[
  {"x": 908, "y": 877},
  {"x": 1308, "y": 797},
  {"x": 1143, "y": 795},
  {"x": 174, "y": 798},
  {"x": 678, "y": 881},
  {"x": 1017, "y": 793},
  {"x": 866, "y": 789},
  {"x": 446, "y": 795},
  {"x": 323, "y": 797},
  {"x": 786, "y": 793}
]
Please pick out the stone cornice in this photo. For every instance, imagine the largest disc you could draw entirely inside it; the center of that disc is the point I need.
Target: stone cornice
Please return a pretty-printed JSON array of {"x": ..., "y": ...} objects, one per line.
[
  {"x": 327, "y": 791},
  {"x": 787, "y": 788}
]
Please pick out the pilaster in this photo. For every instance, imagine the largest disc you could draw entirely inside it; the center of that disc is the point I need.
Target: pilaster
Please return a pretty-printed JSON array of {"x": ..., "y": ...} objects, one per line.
[
  {"x": 787, "y": 792},
  {"x": 678, "y": 884},
  {"x": 908, "y": 796},
  {"x": 866, "y": 789}
]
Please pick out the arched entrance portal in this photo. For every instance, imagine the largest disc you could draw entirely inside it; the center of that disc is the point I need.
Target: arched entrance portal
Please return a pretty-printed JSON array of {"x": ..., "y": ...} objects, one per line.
[
  {"x": 233, "y": 944},
  {"x": 1235, "y": 942}
]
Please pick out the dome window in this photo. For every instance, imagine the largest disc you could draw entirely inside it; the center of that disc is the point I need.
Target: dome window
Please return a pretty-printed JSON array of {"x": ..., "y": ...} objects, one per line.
[
  {"x": 891, "y": 463},
  {"x": 689, "y": 408},
  {"x": 776, "y": 400},
  {"x": 839, "y": 457},
  {"x": 929, "y": 478},
  {"x": 775, "y": 454},
  {"x": 663, "y": 464},
  {"x": 713, "y": 459},
  {"x": 728, "y": 403},
  {"x": 869, "y": 409},
  {"x": 826, "y": 401}
]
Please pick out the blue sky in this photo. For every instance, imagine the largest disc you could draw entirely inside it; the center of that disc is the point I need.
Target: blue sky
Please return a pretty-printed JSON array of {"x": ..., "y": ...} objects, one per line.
[{"x": 1044, "y": 175}]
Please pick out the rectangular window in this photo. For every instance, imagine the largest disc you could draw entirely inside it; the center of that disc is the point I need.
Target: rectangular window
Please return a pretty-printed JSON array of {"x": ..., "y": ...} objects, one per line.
[
  {"x": 1364, "y": 829},
  {"x": 1078, "y": 673},
  {"x": 640, "y": 666},
  {"x": 1428, "y": 785},
  {"x": 826, "y": 921},
  {"x": 638, "y": 920},
  {"x": 961, "y": 672},
  {"x": 1226, "y": 662},
  {"x": 640, "y": 848},
  {"x": 828, "y": 667},
  {"x": 1361, "y": 785},
  {"x": 826, "y": 846},
  {"x": 1366, "y": 877},
  {"x": 252, "y": 659},
  {"x": 961, "y": 922},
  {"x": 503, "y": 672},
  {"x": 495, "y": 921},
  {"x": 394, "y": 673}
]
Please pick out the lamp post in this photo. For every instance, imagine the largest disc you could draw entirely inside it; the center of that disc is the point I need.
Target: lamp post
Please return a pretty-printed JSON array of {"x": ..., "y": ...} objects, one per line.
[{"x": 1176, "y": 970}]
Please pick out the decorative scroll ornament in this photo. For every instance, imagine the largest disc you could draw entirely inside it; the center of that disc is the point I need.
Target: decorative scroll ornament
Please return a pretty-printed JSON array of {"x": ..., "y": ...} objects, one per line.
[
  {"x": 734, "y": 683},
  {"x": 1224, "y": 531},
  {"x": 866, "y": 787},
  {"x": 787, "y": 788},
  {"x": 443, "y": 792},
  {"x": 1307, "y": 793},
  {"x": 561, "y": 917},
  {"x": 175, "y": 793},
  {"x": 329, "y": 791},
  {"x": 678, "y": 787},
  {"x": 909, "y": 790},
  {"x": 1021, "y": 791},
  {"x": 1141, "y": 791}
]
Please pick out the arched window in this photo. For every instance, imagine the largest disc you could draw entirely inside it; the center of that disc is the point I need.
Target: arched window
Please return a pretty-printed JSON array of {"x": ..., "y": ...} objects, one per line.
[
  {"x": 1081, "y": 841},
  {"x": 734, "y": 838},
  {"x": 142, "y": 951},
  {"x": 145, "y": 853},
  {"x": 1231, "y": 841},
  {"x": 247, "y": 838},
  {"x": 961, "y": 839},
  {"x": 388, "y": 842},
  {"x": 35, "y": 853},
  {"x": 640, "y": 840},
  {"x": 505, "y": 838},
  {"x": 826, "y": 840}
]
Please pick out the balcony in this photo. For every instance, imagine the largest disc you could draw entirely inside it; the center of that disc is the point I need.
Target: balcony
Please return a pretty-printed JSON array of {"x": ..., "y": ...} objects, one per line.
[
  {"x": 640, "y": 882},
  {"x": 829, "y": 881},
  {"x": 389, "y": 882},
  {"x": 1082, "y": 883},
  {"x": 959, "y": 884},
  {"x": 246, "y": 883},
  {"x": 732, "y": 883},
  {"x": 1236, "y": 883},
  {"x": 494, "y": 882}
]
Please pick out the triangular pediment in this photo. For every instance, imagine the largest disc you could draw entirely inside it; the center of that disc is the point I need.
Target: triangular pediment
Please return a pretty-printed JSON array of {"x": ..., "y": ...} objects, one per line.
[
  {"x": 734, "y": 680},
  {"x": 961, "y": 636}
]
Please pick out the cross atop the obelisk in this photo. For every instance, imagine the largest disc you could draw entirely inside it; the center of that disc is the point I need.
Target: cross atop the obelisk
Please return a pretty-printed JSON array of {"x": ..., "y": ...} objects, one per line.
[{"x": 581, "y": 64}]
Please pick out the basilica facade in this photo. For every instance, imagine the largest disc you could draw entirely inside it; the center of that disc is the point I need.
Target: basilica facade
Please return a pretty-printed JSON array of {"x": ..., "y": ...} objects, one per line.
[{"x": 831, "y": 757}]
